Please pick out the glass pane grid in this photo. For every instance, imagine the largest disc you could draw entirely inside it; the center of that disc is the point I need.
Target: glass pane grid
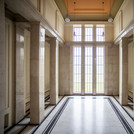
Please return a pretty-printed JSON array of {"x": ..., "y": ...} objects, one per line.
[
  {"x": 100, "y": 70},
  {"x": 88, "y": 69},
  {"x": 88, "y": 34},
  {"x": 77, "y": 33},
  {"x": 77, "y": 69},
  {"x": 100, "y": 34}
]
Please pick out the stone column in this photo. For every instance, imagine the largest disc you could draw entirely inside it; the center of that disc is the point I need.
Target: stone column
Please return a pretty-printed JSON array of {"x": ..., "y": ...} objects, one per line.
[
  {"x": 54, "y": 74},
  {"x": 123, "y": 71},
  {"x": 2, "y": 65},
  {"x": 83, "y": 71},
  {"x": 37, "y": 73},
  {"x": 94, "y": 70}
]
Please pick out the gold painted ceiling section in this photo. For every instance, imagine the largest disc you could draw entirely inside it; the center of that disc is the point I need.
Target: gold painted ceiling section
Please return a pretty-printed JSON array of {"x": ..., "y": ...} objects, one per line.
[{"x": 88, "y": 6}]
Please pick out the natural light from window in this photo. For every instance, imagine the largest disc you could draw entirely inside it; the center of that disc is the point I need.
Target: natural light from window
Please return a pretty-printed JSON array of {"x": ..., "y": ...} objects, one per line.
[
  {"x": 100, "y": 70},
  {"x": 77, "y": 69},
  {"x": 100, "y": 34},
  {"x": 88, "y": 32},
  {"x": 77, "y": 33},
  {"x": 88, "y": 69}
]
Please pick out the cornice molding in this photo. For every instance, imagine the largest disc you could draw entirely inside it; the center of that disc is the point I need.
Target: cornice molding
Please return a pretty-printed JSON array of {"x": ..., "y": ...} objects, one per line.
[
  {"x": 126, "y": 32},
  {"x": 28, "y": 11}
]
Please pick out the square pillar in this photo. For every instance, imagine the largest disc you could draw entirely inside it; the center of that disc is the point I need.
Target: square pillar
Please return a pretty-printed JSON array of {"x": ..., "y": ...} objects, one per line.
[
  {"x": 54, "y": 71},
  {"x": 123, "y": 71},
  {"x": 2, "y": 66},
  {"x": 37, "y": 73}
]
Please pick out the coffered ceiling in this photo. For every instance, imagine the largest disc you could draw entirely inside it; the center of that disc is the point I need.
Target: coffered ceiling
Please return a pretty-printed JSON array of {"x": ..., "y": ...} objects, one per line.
[{"x": 89, "y": 10}]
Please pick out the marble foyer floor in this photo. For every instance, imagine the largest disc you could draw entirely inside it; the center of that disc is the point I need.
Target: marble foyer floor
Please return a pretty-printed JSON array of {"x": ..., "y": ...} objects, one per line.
[{"x": 85, "y": 115}]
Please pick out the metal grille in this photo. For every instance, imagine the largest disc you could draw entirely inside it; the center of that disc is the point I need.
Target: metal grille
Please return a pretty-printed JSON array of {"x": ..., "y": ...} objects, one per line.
[
  {"x": 100, "y": 70},
  {"x": 88, "y": 34},
  {"x": 77, "y": 69},
  {"x": 88, "y": 69}
]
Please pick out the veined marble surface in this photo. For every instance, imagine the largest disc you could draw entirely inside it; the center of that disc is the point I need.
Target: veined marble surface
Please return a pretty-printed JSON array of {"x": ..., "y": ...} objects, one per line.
[{"x": 87, "y": 115}]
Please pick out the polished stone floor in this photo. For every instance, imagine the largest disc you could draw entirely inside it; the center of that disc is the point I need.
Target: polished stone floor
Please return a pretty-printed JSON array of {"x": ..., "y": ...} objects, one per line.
[
  {"x": 88, "y": 115},
  {"x": 83, "y": 115}
]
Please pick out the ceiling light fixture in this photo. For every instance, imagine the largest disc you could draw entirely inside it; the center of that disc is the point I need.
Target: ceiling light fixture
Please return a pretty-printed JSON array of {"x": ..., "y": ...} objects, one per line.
[
  {"x": 67, "y": 19},
  {"x": 110, "y": 19}
]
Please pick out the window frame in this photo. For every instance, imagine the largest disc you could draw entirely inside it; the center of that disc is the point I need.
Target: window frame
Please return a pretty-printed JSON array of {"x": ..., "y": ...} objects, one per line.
[
  {"x": 89, "y": 35},
  {"x": 77, "y": 33},
  {"x": 100, "y": 37}
]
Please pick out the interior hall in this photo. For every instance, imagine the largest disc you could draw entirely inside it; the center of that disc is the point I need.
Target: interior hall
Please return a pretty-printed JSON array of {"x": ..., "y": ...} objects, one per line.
[{"x": 67, "y": 66}]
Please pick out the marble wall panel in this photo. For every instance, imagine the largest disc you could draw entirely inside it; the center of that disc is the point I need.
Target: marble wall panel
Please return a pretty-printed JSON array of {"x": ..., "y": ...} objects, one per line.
[{"x": 19, "y": 90}]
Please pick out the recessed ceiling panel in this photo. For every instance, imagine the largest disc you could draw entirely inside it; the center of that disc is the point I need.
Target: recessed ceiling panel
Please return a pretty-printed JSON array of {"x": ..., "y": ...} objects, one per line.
[{"x": 88, "y": 6}]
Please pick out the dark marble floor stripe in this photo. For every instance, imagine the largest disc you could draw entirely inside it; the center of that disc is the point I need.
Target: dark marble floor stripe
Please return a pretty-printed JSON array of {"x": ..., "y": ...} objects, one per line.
[{"x": 122, "y": 119}]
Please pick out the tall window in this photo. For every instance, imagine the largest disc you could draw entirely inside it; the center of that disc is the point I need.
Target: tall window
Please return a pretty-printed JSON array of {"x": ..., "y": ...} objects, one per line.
[
  {"x": 77, "y": 69},
  {"x": 100, "y": 70},
  {"x": 100, "y": 35},
  {"x": 88, "y": 69},
  {"x": 77, "y": 33},
  {"x": 88, "y": 32}
]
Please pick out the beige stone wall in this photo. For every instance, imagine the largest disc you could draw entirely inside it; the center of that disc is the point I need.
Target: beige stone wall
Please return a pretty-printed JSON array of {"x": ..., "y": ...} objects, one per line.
[
  {"x": 111, "y": 69},
  {"x": 124, "y": 16},
  {"x": 68, "y": 35},
  {"x": 64, "y": 70}
]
